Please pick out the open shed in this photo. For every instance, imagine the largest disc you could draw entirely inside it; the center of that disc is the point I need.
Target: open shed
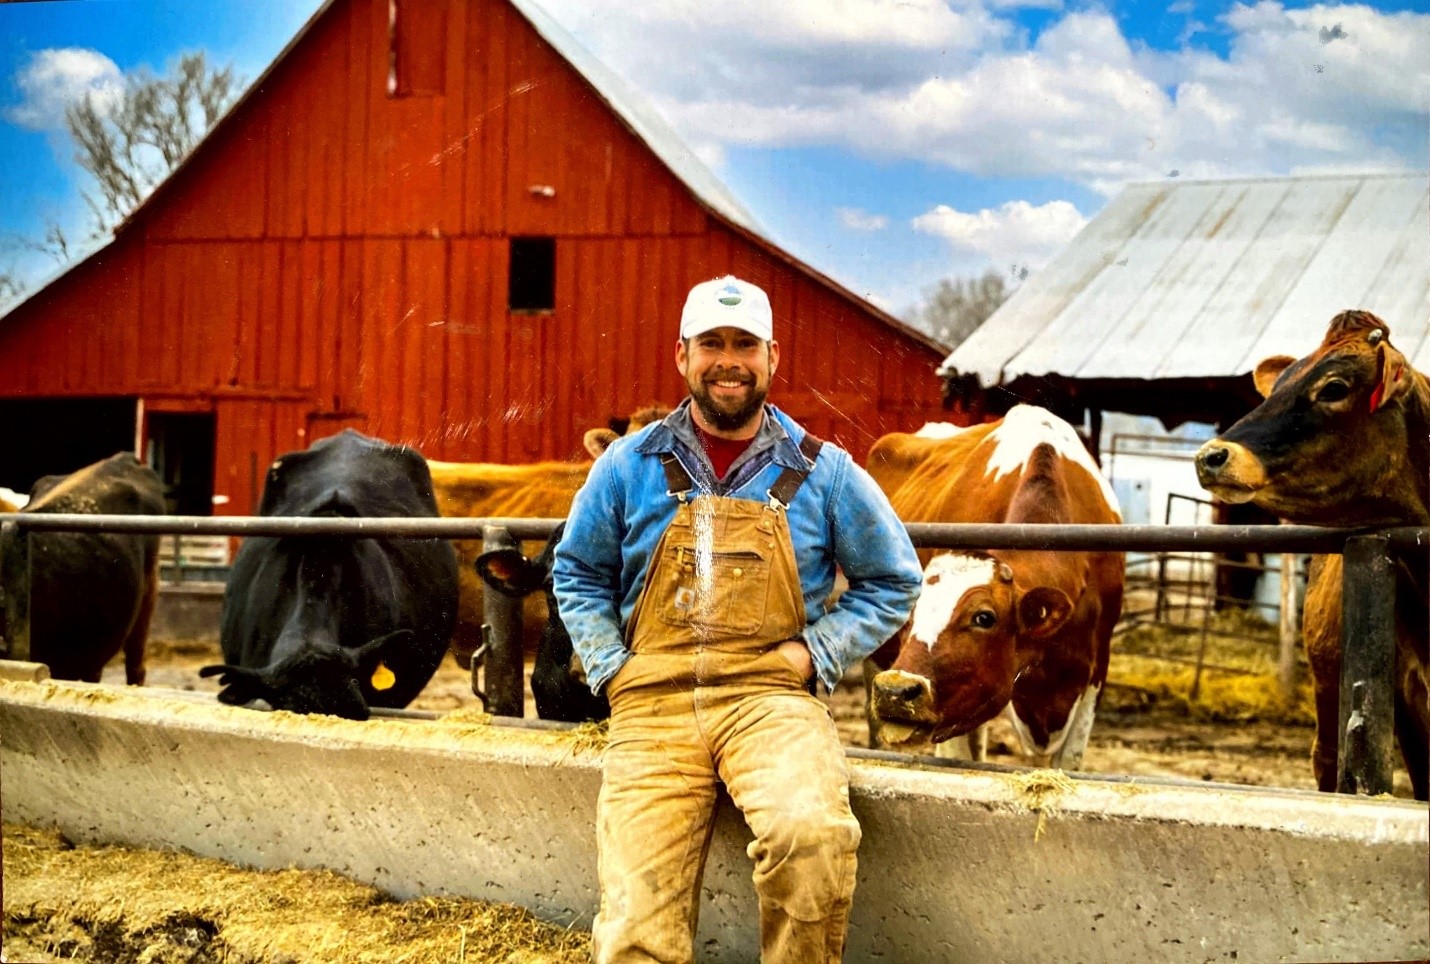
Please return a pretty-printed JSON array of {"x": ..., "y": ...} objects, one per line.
[{"x": 1166, "y": 301}]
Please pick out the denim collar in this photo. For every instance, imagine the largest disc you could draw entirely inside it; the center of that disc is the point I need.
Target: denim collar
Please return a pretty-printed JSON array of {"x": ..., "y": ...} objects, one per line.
[{"x": 774, "y": 434}]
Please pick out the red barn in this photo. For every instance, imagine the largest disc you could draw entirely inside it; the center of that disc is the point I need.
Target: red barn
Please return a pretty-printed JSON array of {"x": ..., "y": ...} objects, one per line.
[{"x": 441, "y": 222}]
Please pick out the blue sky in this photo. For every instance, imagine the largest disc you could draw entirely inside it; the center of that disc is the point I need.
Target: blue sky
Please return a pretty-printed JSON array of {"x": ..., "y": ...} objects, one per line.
[{"x": 887, "y": 142}]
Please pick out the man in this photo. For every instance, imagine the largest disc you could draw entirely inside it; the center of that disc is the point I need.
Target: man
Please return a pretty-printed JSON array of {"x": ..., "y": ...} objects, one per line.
[{"x": 693, "y": 577}]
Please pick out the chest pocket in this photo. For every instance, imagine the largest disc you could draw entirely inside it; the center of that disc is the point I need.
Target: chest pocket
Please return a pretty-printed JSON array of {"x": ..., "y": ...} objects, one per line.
[{"x": 718, "y": 594}]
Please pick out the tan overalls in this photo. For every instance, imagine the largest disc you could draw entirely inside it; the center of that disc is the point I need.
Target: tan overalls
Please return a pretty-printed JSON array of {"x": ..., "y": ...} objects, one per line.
[{"x": 705, "y": 696}]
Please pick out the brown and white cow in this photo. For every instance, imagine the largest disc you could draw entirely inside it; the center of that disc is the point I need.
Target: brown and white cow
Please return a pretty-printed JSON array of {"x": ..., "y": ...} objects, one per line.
[
  {"x": 540, "y": 490},
  {"x": 1021, "y": 632},
  {"x": 1342, "y": 439}
]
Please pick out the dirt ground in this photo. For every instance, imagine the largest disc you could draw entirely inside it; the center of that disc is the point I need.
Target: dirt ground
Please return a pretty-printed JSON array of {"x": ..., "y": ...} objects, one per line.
[{"x": 1135, "y": 733}]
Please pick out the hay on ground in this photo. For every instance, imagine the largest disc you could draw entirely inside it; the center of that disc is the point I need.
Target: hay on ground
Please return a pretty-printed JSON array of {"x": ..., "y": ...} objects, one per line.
[{"x": 115, "y": 903}]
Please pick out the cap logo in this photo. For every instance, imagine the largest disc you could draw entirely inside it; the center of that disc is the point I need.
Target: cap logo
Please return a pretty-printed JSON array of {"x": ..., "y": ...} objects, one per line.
[{"x": 730, "y": 296}]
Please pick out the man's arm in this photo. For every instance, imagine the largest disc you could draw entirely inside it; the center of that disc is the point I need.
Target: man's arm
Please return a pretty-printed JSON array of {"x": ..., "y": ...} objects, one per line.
[
  {"x": 872, "y": 547},
  {"x": 586, "y": 576}
]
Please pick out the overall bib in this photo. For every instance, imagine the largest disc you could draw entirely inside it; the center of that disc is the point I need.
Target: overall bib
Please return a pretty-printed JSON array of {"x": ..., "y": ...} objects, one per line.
[{"x": 706, "y": 697}]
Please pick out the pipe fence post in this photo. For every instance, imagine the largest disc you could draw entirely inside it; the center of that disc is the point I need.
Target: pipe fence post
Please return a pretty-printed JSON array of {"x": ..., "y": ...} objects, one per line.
[
  {"x": 1286, "y": 661},
  {"x": 16, "y": 576},
  {"x": 1367, "y": 711},
  {"x": 501, "y": 630}
]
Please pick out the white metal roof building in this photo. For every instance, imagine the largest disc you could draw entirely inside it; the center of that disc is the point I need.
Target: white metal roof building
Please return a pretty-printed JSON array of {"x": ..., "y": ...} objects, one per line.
[{"x": 1168, "y": 298}]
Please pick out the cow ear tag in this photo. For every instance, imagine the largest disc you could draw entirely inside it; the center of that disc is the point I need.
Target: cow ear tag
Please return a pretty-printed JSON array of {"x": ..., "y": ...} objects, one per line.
[
  {"x": 382, "y": 677},
  {"x": 1005, "y": 572}
]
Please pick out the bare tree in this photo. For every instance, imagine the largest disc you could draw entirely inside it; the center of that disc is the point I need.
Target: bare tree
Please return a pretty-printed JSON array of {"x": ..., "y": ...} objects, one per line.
[
  {"x": 130, "y": 146},
  {"x": 953, "y": 309},
  {"x": 11, "y": 289}
]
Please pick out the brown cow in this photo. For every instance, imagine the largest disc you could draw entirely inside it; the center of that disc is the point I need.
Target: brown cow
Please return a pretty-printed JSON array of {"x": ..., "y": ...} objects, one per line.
[
  {"x": 541, "y": 490},
  {"x": 1024, "y": 632},
  {"x": 1342, "y": 439}
]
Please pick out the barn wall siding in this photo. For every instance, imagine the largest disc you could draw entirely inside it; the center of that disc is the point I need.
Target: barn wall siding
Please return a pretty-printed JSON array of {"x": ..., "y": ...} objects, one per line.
[{"x": 334, "y": 256}]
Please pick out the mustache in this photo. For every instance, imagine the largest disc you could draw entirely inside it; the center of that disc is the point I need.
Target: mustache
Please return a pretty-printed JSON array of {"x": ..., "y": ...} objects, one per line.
[{"x": 729, "y": 375}]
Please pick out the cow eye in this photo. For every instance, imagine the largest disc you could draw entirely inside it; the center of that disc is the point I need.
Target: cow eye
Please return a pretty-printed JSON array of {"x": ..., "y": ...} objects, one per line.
[
  {"x": 1333, "y": 391},
  {"x": 985, "y": 619}
]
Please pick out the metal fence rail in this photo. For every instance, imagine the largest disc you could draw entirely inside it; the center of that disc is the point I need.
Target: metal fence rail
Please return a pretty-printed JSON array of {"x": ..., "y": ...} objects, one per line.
[{"x": 1367, "y": 692}]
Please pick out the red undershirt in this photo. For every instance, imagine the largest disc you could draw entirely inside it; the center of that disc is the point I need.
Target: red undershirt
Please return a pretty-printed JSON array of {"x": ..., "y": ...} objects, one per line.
[{"x": 722, "y": 452}]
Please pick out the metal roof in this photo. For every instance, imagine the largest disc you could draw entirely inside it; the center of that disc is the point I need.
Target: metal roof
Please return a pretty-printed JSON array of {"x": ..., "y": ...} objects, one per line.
[{"x": 1205, "y": 278}]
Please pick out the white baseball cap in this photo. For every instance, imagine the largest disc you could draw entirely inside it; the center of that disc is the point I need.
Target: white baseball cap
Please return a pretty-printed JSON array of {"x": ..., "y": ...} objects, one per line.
[{"x": 727, "y": 301}]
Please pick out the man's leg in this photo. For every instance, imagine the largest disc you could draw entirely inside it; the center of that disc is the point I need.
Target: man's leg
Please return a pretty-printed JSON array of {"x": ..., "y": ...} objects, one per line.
[
  {"x": 781, "y": 760},
  {"x": 653, "y": 824}
]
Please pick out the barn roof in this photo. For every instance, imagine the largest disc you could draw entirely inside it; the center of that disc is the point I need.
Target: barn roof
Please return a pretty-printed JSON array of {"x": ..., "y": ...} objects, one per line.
[
  {"x": 632, "y": 109},
  {"x": 1203, "y": 279},
  {"x": 647, "y": 124}
]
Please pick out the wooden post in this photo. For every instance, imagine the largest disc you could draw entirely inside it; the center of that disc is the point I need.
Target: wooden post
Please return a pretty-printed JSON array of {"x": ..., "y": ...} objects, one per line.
[
  {"x": 1367, "y": 717},
  {"x": 501, "y": 630}
]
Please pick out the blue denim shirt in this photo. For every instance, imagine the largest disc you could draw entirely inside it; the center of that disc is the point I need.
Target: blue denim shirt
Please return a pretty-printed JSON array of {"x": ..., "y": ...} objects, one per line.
[{"x": 839, "y": 516}]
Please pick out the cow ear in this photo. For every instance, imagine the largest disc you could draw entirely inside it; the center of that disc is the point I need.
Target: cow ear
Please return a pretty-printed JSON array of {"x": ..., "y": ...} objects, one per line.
[
  {"x": 1394, "y": 379},
  {"x": 509, "y": 572},
  {"x": 1042, "y": 611},
  {"x": 240, "y": 685},
  {"x": 375, "y": 647},
  {"x": 597, "y": 440},
  {"x": 1268, "y": 371}
]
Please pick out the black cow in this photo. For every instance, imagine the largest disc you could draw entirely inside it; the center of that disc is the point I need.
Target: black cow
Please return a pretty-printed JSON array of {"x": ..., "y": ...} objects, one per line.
[
  {"x": 558, "y": 682},
  {"x": 89, "y": 594},
  {"x": 317, "y": 624}
]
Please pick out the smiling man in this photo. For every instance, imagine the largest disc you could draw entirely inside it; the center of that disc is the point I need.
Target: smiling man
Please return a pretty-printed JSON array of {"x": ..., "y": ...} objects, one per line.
[{"x": 692, "y": 578}]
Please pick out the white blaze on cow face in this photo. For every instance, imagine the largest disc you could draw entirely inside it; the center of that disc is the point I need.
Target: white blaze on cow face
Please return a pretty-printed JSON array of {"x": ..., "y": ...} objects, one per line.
[
  {"x": 946, "y": 580},
  {"x": 1024, "y": 428}
]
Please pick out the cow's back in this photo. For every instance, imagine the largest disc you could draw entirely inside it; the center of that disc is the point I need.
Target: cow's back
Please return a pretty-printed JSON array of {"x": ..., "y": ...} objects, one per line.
[
  {"x": 923, "y": 476},
  {"x": 471, "y": 490},
  {"x": 88, "y": 590}
]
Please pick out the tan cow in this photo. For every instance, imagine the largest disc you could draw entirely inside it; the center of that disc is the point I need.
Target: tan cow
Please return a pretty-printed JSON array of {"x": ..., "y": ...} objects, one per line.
[
  {"x": 541, "y": 490},
  {"x": 1342, "y": 439},
  {"x": 1026, "y": 632}
]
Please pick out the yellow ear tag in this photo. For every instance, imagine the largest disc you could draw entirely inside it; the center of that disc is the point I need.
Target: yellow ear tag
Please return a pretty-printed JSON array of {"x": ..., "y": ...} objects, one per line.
[{"x": 382, "y": 677}]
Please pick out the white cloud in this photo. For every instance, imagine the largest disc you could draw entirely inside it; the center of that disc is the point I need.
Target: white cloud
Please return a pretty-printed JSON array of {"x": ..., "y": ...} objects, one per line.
[
  {"x": 958, "y": 85},
  {"x": 859, "y": 220},
  {"x": 53, "y": 79},
  {"x": 1017, "y": 233}
]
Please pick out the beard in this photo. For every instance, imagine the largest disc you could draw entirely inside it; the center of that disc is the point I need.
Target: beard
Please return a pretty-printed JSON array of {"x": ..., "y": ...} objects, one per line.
[{"x": 729, "y": 415}]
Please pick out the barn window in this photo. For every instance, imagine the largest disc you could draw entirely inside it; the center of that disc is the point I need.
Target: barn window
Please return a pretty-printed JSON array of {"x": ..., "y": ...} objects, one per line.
[
  {"x": 417, "y": 47},
  {"x": 532, "y": 284}
]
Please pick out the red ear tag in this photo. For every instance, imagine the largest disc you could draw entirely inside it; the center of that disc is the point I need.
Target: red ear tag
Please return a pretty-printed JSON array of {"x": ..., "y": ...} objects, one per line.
[{"x": 1376, "y": 396}]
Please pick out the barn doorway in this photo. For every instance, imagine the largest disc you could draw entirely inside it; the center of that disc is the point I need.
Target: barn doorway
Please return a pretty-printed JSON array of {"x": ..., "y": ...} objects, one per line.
[
  {"x": 56, "y": 436},
  {"x": 181, "y": 450}
]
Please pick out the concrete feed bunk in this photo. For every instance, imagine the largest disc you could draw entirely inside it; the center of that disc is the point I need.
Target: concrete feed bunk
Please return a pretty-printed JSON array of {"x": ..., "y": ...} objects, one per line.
[{"x": 965, "y": 865}]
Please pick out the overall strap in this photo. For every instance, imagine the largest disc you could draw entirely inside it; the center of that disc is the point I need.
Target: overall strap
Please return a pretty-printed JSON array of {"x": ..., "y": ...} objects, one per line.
[
  {"x": 677, "y": 480},
  {"x": 789, "y": 481}
]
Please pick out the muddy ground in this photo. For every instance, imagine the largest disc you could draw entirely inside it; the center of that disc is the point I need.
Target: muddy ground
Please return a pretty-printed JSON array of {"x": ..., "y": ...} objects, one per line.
[{"x": 1136, "y": 733}]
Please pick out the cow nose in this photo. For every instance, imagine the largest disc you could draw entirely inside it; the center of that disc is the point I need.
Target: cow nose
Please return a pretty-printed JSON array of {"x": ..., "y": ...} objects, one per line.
[
  {"x": 1212, "y": 457},
  {"x": 905, "y": 692}
]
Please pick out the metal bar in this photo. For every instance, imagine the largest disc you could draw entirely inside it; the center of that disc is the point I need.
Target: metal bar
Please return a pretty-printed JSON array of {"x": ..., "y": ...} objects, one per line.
[
  {"x": 1367, "y": 717},
  {"x": 1286, "y": 626},
  {"x": 501, "y": 628},
  {"x": 16, "y": 579},
  {"x": 1105, "y": 538}
]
